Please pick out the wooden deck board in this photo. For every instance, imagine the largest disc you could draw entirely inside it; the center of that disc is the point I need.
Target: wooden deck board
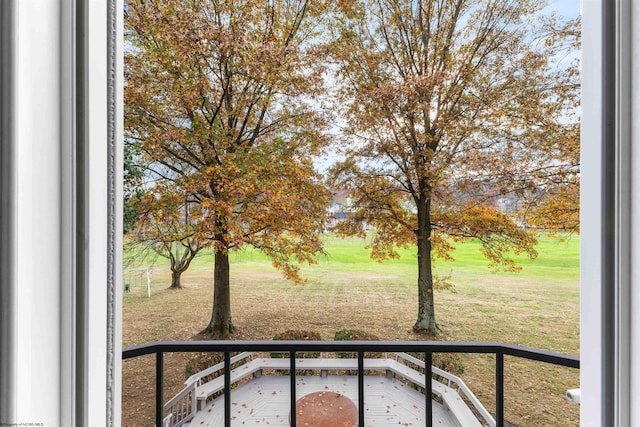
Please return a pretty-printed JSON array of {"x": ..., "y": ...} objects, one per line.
[{"x": 265, "y": 401}]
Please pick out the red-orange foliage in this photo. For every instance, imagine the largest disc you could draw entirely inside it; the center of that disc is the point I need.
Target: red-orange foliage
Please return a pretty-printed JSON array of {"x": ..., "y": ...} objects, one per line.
[
  {"x": 218, "y": 96},
  {"x": 450, "y": 105}
]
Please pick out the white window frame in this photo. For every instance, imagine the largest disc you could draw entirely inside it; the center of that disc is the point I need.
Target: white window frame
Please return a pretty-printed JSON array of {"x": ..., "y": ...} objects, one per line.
[
  {"x": 609, "y": 332},
  {"x": 60, "y": 239},
  {"x": 61, "y": 130}
]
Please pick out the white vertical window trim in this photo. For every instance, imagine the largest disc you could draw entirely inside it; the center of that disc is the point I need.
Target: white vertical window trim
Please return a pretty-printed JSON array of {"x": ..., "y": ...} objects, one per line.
[
  {"x": 634, "y": 319},
  {"x": 94, "y": 204},
  {"x": 8, "y": 67},
  {"x": 68, "y": 213},
  {"x": 608, "y": 336},
  {"x": 42, "y": 355},
  {"x": 624, "y": 215},
  {"x": 101, "y": 198},
  {"x": 115, "y": 87},
  {"x": 590, "y": 238},
  {"x": 37, "y": 223}
]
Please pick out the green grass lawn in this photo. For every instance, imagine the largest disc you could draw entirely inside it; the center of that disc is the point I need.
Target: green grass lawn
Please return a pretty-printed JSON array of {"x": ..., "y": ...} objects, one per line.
[
  {"x": 559, "y": 258},
  {"x": 537, "y": 307}
]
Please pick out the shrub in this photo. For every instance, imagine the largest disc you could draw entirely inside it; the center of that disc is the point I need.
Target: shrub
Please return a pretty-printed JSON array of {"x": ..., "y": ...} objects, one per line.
[
  {"x": 297, "y": 335},
  {"x": 449, "y": 362},
  {"x": 355, "y": 335},
  {"x": 201, "y": 361}
]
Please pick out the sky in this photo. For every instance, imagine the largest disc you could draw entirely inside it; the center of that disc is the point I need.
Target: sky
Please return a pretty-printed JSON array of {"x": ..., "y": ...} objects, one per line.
[{"x": 567, "y": 8}]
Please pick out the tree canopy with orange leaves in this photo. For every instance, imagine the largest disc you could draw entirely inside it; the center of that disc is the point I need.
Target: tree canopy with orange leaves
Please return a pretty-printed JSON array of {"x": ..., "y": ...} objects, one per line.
[
  {"x": 219, "y": 98},
  {"x": 450, "y": 105}
]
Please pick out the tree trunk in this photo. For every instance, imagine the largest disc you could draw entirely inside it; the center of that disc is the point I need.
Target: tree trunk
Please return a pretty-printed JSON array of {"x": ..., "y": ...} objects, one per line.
[
  {"x": 221, "y": 325},
  {"x": 426, "y": 313},
  {"x": 175, "y": 279},
  {"x": 180, "y": 263}
]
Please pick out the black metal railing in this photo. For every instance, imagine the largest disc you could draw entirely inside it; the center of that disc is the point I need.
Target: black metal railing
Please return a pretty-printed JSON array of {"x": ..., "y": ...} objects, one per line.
[{"x": 360, "y": 347}]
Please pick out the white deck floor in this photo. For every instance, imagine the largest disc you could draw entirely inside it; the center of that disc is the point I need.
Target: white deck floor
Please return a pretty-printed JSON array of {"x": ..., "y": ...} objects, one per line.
[{"x": 265, "y": 401}]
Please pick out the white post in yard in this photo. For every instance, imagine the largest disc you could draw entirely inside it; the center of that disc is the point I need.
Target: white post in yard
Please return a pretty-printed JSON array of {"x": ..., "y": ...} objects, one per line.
[{"x": 149, "y": 282}]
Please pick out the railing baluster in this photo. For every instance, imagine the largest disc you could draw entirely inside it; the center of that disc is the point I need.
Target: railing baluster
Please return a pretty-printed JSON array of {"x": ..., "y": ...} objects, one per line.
[
  {"x": 159, "y": 387},
  {"x": 428, "y": 360},
  {"x": 227, "y": 389},
  {"x": 499, "y": 389},
  {"x": 361, "y": 388},
  {"x": 499, "y": 349},
  {"x": 194, "y": 402},
  {"x": 292, "y": 391}
]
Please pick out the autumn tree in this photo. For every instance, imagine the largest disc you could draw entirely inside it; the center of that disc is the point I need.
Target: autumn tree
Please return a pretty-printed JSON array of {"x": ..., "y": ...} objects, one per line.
[
  {"x": 220, "y": 96},
  {"x": 552, "y": 201},
  {"x": 449, "y": 104},
  {"x": 168, "y": 225},
  {"x": 133, "y": 175},
  {"x": 157, "y": 221}
]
